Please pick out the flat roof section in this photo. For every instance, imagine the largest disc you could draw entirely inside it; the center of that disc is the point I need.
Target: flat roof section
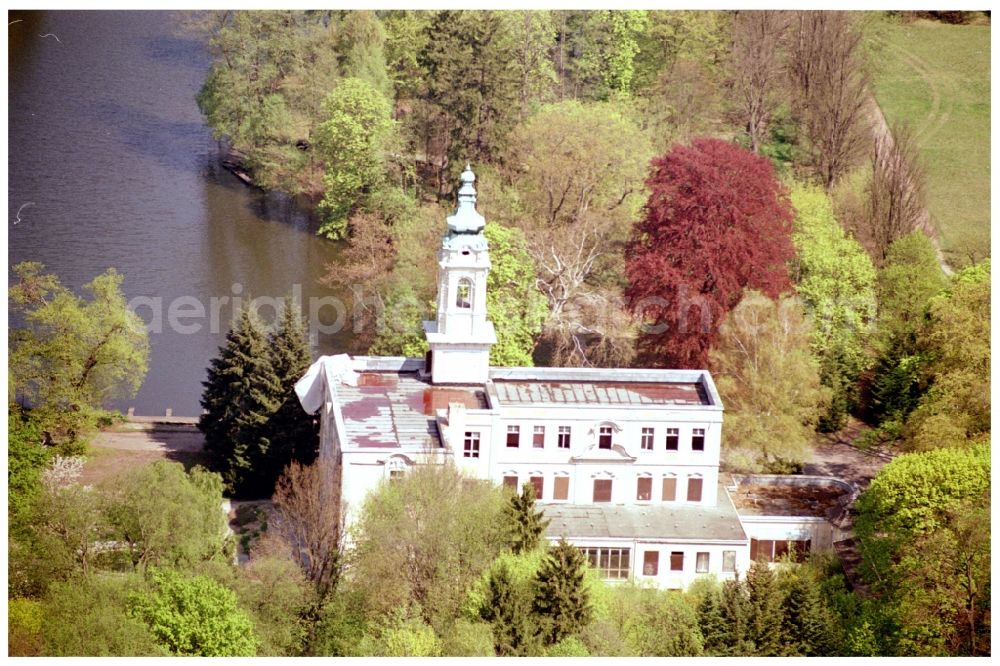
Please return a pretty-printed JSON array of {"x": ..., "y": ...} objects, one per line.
[
  {"x": 523, "y": 392},
  {"x": 398, "y": 409},
  {"x": 659, "y": 521}
]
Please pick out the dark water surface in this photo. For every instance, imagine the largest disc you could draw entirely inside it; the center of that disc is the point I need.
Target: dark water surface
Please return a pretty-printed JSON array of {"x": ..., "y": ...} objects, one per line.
[{"x": 107, "y": 143}]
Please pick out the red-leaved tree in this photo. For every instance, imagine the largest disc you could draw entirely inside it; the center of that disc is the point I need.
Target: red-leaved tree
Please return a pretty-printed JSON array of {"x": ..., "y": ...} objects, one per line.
[{"x": 716, "y": 221}]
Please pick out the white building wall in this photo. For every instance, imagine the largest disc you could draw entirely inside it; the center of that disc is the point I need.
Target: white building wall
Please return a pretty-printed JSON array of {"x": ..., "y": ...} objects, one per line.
[
  {"x": 665, "y": 577},
  {"x": 790, "y": 528}
]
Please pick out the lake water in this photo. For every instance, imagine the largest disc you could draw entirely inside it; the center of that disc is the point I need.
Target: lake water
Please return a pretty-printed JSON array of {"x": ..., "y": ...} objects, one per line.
[{"x": 111, "y": 164}]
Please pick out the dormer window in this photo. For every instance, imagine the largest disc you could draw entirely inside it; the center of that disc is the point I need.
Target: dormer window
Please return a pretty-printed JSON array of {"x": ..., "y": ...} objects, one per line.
[{"x": 463, "y": 297}]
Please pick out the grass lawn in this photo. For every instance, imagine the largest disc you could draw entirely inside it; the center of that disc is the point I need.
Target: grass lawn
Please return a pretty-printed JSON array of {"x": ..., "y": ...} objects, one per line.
[{"x": 936, "y": 78}]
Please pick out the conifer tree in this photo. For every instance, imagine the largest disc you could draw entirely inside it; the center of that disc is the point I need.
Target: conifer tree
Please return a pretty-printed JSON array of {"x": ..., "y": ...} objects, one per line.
[
  {"x": 808, "y": 623},
  {"x": 241, "y": 394},
  {"x": 735, "y": 611},
  {"x": 507, "y": 607},
  {"x": 712, "y": 624},
  {"x": 764, "y": 600},
  {"x": 526, "y": 525},
  {"x": 294, "y": 434},
  {"x": 561, "y": 597}
]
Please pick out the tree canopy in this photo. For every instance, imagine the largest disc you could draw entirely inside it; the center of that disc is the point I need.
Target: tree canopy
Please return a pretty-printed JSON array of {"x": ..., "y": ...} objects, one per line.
[
  {"x": 769, "y": 383},
  {"x": 70, "y": 356},
  {"x": 717, "y": 221}
]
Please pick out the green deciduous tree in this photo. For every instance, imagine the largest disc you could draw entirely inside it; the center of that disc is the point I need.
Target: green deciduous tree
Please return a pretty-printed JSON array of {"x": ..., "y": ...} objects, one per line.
[
  {"x": 907, "y": 280},
  {"x": 194, "y": 616},
  {"x": 164, "y": 516},
  {"x": 87, "y": 617},
  {"x": 513, "y": 301},
  {"x": 421, "y": 540},
  {"x": 944, "y": 589},
  {"x": 562, "y": 600},
  {"x": 662, "y": 624},
  {"x": 241, "y": 394},
  {"x": 911, "y": 496},
  {"x": 836, "y": 280},
  {"x": 769, "y": 383},
  {"x": 26, "y": 459},
  {"x": 351, "y": 140},
  {"x": 575, "y": 212},
  {"x": 956, "y": 408},
  {"x": 70, "y": 356},
  {"x": 525, "y": 522}
]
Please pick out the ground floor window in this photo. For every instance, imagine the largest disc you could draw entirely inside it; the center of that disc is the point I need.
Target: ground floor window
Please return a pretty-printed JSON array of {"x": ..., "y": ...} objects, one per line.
[
  {"x": 677, "y": 561},
  {"x": 728, "y": 561},
  {"x": 651, "y": 563},
  {"x": 510, "y": 482},
  {"x": 611, "y": 562},
  {"x": 773, "y": 550},
  {"x": 602, "y": 490},
  {"x": 561, "y": 491},
  {"x": 701, "y": 563}
]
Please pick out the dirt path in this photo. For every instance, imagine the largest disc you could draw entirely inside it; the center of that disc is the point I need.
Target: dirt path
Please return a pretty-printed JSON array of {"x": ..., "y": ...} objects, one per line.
[{"x": 114, "y": 451}]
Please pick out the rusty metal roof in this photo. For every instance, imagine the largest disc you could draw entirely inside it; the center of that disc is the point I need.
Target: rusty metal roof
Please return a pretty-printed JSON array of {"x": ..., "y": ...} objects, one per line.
[
  {"x": 524, "y": 392},
  {"x": 656, "y": 521},
  {"x": 398, "y": 409}
]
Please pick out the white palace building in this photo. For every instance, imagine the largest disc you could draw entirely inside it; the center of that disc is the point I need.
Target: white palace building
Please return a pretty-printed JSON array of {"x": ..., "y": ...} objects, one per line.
[{"x": 624, "y": 462}]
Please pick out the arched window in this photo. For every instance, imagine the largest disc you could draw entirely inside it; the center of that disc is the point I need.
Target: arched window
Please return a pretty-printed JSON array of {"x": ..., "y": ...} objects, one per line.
[{"x": 463, "y": 297}]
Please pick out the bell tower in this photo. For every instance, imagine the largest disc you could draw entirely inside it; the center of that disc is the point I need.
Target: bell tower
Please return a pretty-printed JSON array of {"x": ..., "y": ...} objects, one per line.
[{"x": 461, "y": 336}]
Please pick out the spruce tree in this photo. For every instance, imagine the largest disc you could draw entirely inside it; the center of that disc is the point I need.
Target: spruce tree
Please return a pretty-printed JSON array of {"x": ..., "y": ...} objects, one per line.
[
  {"x": 294, "y": 434},
  {"x": 764, "y": 603},
  {"x": 507, "y": 607},
  {"x": 241, "y": 394},
  {"x": 808, "y": 622},
  {"x": 524, "y": 523},
  {"x": 712, "y": 625},
  {"x": 561, "y": 597},
  {"x": 735, "y": 611}
]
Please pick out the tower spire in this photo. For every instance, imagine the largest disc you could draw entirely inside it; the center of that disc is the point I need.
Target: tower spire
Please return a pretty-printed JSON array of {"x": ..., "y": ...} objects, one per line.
[
  {"x": 466, "y": 219},
  {"x": 461, "y": 335}
]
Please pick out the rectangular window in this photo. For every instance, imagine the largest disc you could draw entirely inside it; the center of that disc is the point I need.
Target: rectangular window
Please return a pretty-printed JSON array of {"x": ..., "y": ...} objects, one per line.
[
  {"x": 471, "y": 445},
  {"x": 677, "y": 561},
  {"x": 800, "y": 550},
  {"x": 563, "y": 437},
  {"x": 561, "y": 490},
  {"x": 762, "y": 549},
  {"x": 604, "y": 441},
  {"x": 698, "y": 439},
  {"x": 673, "y": 437},
  {"x": 538, "y": 440},
  {"x": 396, "y": 475},
  {"x": 701, "y": 563},
  {"x": 510, "y": 482},
  {"x": 669, "y": 488},
  {"x": 728, "y": 561},
  {"x": 602, "y": 490},
  {"x": 647, "y": 439},
  {"x": 539, "y": 484},
  {"x": 651, "y": 563},
  {"x": 694, "y": 489},
  {"x": 644, "y": 488},
  {"x": 513, "y": 436},
  {"x": 611, "y": 562}
]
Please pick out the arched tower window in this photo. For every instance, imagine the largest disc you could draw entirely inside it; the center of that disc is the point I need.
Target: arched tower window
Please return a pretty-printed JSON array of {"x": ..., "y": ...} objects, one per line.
[{"x": 463, "y": 297}]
